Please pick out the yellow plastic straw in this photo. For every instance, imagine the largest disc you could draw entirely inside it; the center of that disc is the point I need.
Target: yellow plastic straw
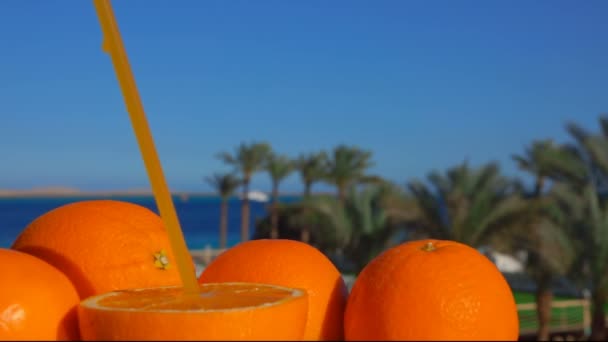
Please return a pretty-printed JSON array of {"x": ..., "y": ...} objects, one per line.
[{"x": 113, "y": 45}]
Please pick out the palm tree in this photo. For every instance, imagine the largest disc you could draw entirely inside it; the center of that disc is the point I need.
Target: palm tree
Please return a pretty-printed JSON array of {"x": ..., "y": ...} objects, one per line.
[
  {"x": 581, "y": 179},
  {"x": 312, "y": 168},
  {"x": 346, "y": 167},
  {"x": 466, "y": 204},
  {"x": 225, "y": 184},
  {"x": 540, "y": 159},
  {"x": 587, "y": 216},
  {"x": 247, "y": 159},
  {"x": 360, "y": 223},
  {"x": 399, "y": 206},
  {"x": 586, "y": 180},
  {"x": 591, "y": 154},
  {"x": 278, "y": 167}
]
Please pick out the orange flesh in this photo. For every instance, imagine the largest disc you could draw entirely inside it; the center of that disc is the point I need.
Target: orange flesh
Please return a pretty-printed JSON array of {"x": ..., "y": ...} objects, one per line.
[{"x": 211, "y": 297}]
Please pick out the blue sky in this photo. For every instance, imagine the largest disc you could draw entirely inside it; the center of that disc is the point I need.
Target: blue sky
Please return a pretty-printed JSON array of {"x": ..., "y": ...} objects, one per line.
[{"x": 423, "y": 84}]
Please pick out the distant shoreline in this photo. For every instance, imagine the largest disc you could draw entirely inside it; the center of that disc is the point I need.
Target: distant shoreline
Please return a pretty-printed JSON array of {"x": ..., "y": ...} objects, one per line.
[{"x": 71, "y": 192}]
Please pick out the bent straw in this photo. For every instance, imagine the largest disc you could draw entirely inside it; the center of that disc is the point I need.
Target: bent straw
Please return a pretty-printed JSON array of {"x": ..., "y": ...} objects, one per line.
[{"x": 113, "y": 45}]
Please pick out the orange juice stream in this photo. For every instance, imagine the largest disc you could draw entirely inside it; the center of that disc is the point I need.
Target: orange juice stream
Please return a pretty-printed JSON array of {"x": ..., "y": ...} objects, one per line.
[{"x": 113, "y": 45}]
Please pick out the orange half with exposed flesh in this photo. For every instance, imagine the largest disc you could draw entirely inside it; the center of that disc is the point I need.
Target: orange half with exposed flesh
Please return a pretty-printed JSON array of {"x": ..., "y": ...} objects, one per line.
[{"x": 221, "y": 311}]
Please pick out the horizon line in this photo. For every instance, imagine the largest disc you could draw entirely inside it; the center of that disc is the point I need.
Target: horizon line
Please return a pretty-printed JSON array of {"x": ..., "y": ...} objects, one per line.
[{"x": 71, "y": 191}]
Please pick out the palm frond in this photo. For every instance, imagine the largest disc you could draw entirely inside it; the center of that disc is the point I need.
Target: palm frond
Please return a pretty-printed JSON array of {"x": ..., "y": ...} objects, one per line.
[
  {"x": 226, "y": 158},
  {"x": 347, "y": 164},
  {"x": 247, "y": 158},
  {"x": 597, "y": 147},
  {"x": 224, "y": 183},
  {"x": 556, "y": 248},
  {"x": 512, "y": 209},
  {"x": 523, "y": 163},
  {"x": 567, "y": 164},
  {"x": 577, "y": 132},
  {"x": 371, "y": 179},
  {"x": 312, "y": 168},
  {"x": 430, "y": 207},
  {"x": 441, "y": 183},
  {"x": 278, "y": 166},
  {"x": 335, "y": 213}
]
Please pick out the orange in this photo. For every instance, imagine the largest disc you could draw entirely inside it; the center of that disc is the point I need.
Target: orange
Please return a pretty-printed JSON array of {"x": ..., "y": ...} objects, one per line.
[
  {"x": 103, "y": 245},
  {"x": 431, "y": 290},
  {"x": 226, "y": 311},
  {"x": 292, "y": 264},
  {"x": 37, "y": 301}
]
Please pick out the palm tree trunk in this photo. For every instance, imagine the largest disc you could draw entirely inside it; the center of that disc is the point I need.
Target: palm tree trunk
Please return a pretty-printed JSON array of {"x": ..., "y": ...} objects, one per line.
[
  {"x": 544, "y": 291},
  {"x": 544, "y": 298},
  {"x": 274, "y": 217},
  {"x": 223, "y": 223},
  {"x": 274, "y": 222},
  {"x": 598, "y": 320},
  {"x": 538, "y": 186},
  {"x": 305, "y": 234},
  {"x": 360, "y": 253},
  {"x": 342, "y": 193},
  {"x": 307, "y": 188},
  {"x": 245, "y": 212}
]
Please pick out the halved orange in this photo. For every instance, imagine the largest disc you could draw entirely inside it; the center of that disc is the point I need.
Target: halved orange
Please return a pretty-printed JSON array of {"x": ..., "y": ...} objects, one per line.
[{"x": 221, "y": 311}]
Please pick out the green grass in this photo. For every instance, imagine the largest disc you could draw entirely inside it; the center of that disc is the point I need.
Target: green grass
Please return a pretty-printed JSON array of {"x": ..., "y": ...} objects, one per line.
[
  {"x": 527, "y": 318},
  {"x": 525, "y": 297}
]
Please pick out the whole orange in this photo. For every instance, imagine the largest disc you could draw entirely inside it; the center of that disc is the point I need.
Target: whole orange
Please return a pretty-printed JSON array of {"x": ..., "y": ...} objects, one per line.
[
  {"x": 431, "y": 290},
  {"x": 103, "y": 245},
  {"x": 292, "y": 264},
  {"x": 37, "y": 301}
]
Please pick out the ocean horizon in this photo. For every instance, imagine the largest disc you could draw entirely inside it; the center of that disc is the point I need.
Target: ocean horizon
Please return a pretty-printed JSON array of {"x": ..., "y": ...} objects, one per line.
[{"x": 199, "y": 215}]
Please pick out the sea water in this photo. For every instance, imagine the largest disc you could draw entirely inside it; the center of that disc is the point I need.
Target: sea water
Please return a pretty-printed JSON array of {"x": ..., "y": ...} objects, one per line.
[{"x": 199, "y": 216}]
